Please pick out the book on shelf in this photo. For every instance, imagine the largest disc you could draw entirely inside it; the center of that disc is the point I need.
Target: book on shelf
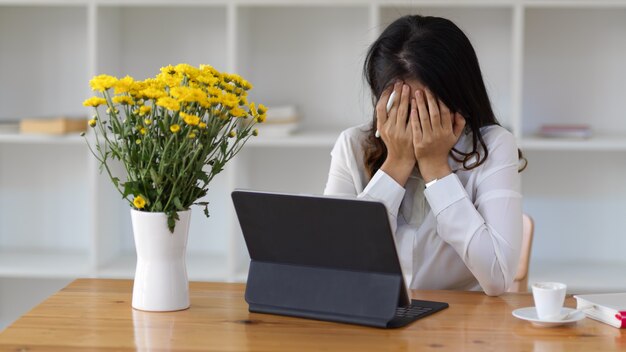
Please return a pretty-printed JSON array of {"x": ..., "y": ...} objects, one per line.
[
  {"x": 565, "y": 131},
  {"x": 53, "y": 126},
  {"x": 609, "y": 308}
]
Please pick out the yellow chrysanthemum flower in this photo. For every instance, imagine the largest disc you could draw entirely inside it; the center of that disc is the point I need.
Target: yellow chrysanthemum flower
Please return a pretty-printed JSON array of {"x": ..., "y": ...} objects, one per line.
[
  {"x": 188, "y": 95},
  {"x": 123, "y": 99},
  {"x": 169, "y": 70},
  {"x": 144, "y": 110},
  {"x": 92, "y": 123},
  {"x": 168, "y": 103},
  {"x": 138, "y": 141},
  {"x": 202, "y": 125},
  {"x": 230, "y": 101},
  {"x": 238, "y": 112},
  {"x": 124, "y": 85},
  {"x": 169, "y": 76},
  {"x": 188, "y": 70},
  {"x": 253, "y": 110},
  {"x": 232, "y": 134},
  {"x": 214, "y": 91},
  {"x": 215, "y": 101},
  {"x": 143, "y": 130},
  {"x": 209, "y": 69},
  {"x": 153, "y": 93},
  {"x": 139, "y": 202},
  {"x": 155, "y": 83},
  {"x": 190, "y": 119},
  {"x": 255, "y": 132},
  {"x": 243, "y": 100},
  {"x": 262, "y": 109},
  {"x": 192, "y": 135},
  {"x": 260, "y": 118},
  {"x": 228, "y": 87},
  {"x": 136, "y": 90},
  {"x": 246, "y": 85},
  {"x": 94, "y": 101},
  {"x": 205, "y": 103},
  {"x": 175, "y": 128},
  {"x": 148, "y": 122},
  {"x": 102, "y": 82},
  {"x": 207, "y": 79},
  {"x": 224, "y": 78}
]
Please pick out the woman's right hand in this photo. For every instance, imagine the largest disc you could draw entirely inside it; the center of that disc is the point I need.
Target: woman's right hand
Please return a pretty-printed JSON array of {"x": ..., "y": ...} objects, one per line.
[{"x": 396, "y": 133}]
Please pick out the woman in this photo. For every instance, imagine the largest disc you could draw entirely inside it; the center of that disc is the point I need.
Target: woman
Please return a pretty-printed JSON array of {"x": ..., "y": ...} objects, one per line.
[{"x": 438, "y": 159}]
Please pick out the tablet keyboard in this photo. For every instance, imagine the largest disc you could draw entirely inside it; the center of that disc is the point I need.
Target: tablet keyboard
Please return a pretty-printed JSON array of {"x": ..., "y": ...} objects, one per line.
[
  {"x": 412, "y": 311},
  {"x": 417, "y": 310}
]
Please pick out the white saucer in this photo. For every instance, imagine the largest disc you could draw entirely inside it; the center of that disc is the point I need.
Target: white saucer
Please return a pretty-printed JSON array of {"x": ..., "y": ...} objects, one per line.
[{"x": 530, "y": 314}]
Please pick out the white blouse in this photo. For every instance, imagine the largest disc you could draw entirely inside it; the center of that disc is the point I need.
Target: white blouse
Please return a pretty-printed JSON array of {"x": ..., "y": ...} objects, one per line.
[{"x": 463, "y": 232}]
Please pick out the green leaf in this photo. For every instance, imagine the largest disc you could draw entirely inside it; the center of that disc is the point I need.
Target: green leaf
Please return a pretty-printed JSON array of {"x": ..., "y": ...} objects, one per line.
[
  {"x": 206, "y": 208},
  {"x": 171, "y": 223},
  {"x": 155, "y": 176},
  {"x": 172, "y": 216},
  {"x": 131, "y": 187},
  {"x": 178, "y": 204}
]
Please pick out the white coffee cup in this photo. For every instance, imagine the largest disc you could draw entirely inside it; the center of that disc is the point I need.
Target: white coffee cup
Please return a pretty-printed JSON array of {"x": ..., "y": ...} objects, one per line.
[{"x": 549, "y": 298}]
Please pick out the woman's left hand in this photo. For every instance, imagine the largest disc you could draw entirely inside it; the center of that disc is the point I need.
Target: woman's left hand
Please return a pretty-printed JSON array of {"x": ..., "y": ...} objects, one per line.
[{"x": 435, "y": 131}]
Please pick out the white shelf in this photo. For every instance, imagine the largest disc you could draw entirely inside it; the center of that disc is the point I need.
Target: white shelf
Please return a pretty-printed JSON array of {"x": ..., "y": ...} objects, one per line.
[
  {"x": 44, "y": 263},
  {"x": 200, "y": 267},
  {"x": 306, "y": 53},
  {"x": 298, "y": 139},
  {"x": 69, "y": 139},
  {"x": 596, "y": 143},
  {"x": 582, "y": 277}
]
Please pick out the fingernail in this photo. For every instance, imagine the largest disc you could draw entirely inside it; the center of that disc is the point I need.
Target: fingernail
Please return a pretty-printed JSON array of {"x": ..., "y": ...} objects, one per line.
[{"x": 418, "y": 93}]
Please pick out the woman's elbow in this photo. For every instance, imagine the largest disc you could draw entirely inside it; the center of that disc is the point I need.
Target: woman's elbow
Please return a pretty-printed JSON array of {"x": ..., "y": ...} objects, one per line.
[{"x": 493, "y": 289}]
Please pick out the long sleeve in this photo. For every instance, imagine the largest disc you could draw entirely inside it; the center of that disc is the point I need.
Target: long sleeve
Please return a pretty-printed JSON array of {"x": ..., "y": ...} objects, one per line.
[
  {"x": 485, "y": 233},
  {"x": 345, "y": 179}
]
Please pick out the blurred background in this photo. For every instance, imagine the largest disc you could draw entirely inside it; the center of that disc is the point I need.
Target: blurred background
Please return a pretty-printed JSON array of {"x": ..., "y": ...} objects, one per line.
[{"x": 554, "y": 71}]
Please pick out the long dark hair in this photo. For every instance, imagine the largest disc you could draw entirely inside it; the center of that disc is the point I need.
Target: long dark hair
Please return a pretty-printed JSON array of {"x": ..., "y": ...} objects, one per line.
[{"x": 437, "y": 53}]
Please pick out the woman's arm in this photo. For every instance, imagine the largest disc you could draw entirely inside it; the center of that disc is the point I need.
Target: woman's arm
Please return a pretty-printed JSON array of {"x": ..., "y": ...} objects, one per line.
[
  {"x": 387, "y": 184},
  {"x": 485, "y": 233},
  {"x": 343, "y": 178}
]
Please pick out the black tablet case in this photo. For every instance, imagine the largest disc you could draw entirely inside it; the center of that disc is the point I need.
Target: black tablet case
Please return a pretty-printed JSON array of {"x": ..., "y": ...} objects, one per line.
[{"x": 321, "y": 258}]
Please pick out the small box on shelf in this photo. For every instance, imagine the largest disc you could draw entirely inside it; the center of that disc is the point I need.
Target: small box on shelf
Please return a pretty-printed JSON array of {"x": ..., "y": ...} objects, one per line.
[
  {"x": 55, "y": 126},
  {"x": 281, "y": 121}
]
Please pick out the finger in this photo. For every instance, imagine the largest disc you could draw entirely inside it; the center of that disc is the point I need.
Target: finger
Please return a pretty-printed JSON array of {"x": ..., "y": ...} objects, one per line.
[
  {"x": 381, "y": 107},
  {"x": 422, "y": 112},
  {"x": 415, "y": 122},
  {"x": 446, "y": 116},
  {"x": 403, "y": 108},
  {"x": 433, "y": 110},
  {"x": 459, "y": 124},
  {"x": 393, "y": 112}
]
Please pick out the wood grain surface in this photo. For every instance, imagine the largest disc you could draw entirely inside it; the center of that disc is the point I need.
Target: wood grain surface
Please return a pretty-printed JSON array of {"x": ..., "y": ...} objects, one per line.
[{"x": 95, "y": 314}]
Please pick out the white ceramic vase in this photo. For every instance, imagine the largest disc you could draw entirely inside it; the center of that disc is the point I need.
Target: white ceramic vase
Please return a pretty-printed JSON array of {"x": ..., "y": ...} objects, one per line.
[{"x": 161, "y": 282}]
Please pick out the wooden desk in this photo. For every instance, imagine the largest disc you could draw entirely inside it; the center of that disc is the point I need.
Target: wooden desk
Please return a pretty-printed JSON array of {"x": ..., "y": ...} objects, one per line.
[{"x": 96, "y": 314}]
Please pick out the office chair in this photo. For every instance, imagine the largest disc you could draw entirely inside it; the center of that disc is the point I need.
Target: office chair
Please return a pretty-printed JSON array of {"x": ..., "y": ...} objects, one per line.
[{"x": 520, "y": 283}]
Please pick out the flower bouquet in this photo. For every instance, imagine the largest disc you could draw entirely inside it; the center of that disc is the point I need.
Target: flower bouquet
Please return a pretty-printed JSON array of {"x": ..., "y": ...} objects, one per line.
[{"x": 172, "y": 134}]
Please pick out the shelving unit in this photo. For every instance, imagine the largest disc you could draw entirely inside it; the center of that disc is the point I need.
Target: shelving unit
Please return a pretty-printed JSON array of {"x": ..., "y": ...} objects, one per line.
[{"x": 554, "y": 61}]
